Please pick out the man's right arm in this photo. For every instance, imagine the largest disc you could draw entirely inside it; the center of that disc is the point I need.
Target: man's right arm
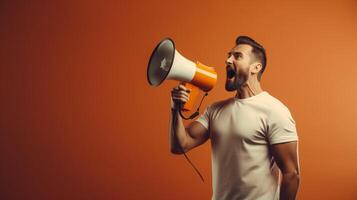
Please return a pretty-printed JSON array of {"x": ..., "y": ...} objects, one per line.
[{"x": 183, "y": 139}]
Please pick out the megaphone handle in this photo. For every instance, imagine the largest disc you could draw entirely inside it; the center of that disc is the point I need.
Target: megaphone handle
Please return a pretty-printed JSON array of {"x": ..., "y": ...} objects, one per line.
[{"x": 188, "y": 106}]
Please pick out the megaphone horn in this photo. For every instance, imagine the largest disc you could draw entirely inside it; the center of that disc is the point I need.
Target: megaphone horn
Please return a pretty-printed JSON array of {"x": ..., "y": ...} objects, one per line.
[{"x": 166, "y": 63}]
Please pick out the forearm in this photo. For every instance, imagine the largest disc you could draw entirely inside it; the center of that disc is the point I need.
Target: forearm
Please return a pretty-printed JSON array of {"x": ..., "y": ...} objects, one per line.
[
  {"x": 178, "y": 134},
  {"x": 289, "y": 186}
]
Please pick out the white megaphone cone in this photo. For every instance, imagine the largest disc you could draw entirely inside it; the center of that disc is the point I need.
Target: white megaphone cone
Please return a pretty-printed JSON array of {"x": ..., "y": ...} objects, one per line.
[{"x": 166, "y": 63}]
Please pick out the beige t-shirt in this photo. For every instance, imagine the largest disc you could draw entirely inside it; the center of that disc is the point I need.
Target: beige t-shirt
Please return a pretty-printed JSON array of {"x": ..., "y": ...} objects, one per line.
[{"x": 241, "y": 131}]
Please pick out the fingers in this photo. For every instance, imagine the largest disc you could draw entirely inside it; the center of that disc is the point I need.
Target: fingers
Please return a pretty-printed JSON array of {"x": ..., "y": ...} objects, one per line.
[
  {"x": 180, "y": 93},
  {"x": 182, "y": 87},
  {"x": 184, "y": 100}
]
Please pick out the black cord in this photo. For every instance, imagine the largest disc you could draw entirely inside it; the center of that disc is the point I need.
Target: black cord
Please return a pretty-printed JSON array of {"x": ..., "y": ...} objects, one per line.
[{"x": 188, "y": 160}]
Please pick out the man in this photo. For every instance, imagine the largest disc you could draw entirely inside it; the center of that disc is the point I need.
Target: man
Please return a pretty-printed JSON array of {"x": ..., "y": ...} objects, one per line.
[{"x": 250, "y": 133}]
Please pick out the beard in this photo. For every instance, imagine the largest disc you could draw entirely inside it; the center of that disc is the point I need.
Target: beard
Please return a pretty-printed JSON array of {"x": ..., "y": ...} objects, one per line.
[{"x": 233, "y": 84}]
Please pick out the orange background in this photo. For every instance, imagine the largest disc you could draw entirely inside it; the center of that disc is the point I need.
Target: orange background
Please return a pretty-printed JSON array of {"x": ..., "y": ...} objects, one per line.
[{"x": 79, "y": 120}]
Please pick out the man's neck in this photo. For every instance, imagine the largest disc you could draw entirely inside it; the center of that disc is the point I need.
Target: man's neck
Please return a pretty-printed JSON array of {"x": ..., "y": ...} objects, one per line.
[{"x": 251, "y": 88}]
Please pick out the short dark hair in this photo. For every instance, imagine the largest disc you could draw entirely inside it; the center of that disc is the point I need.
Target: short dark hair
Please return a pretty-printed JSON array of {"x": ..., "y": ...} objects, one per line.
[{"x": 257, "y": 49}]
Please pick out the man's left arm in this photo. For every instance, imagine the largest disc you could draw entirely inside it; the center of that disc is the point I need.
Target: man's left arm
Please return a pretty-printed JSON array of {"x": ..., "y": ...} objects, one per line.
[{"x": 287, "y": 159}]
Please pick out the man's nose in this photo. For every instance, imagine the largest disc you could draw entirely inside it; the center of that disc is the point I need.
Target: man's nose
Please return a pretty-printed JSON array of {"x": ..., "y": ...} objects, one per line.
[{"x": 229, "y": 60}]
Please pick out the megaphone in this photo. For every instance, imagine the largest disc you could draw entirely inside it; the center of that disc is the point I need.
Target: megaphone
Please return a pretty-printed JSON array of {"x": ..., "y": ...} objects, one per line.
[{"x": 166, "y": 63}]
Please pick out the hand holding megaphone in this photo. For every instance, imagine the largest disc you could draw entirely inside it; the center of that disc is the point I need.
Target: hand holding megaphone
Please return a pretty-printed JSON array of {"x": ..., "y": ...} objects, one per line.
[{"x": 179, "y": 96}]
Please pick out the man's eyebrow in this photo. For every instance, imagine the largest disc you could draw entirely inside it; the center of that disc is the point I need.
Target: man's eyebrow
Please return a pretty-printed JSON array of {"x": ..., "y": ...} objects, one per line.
[{"x": 235, "y": 52}]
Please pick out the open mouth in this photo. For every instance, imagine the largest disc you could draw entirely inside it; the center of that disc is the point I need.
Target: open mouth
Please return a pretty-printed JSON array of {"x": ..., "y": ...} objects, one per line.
[{"x": 230, "y": 72}]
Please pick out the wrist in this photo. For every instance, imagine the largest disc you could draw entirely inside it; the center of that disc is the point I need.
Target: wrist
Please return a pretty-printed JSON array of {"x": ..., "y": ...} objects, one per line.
[
  {"x": 175, "y": 106},
  {"x": 174, "y": 109}
]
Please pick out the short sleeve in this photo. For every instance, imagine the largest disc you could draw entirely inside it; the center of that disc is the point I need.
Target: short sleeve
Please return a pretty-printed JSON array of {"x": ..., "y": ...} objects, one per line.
[
  {"x": 204, "y": 118},
  {"x": 281, "y": 127}
]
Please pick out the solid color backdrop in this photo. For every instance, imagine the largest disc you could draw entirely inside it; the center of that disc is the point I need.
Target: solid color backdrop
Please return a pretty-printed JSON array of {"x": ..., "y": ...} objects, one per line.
[{"x": 78, "y": 119}]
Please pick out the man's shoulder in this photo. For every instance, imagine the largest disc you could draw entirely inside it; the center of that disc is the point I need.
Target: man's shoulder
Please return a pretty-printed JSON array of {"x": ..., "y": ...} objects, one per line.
[{"x": 275, "y": 105}]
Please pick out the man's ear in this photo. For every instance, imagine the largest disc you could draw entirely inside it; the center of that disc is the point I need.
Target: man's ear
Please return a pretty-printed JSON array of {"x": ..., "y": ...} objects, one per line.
[{"x": 256, "y": 67}]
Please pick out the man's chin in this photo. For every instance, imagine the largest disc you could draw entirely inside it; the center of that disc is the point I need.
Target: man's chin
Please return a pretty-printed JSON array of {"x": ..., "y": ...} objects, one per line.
[
  {"x": 234, "y": 83},
  {"x": 230, "y": 86}
]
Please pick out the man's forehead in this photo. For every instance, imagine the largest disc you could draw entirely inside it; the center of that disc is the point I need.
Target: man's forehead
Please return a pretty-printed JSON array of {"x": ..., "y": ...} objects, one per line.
[{"x": 244, "y": 48}]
